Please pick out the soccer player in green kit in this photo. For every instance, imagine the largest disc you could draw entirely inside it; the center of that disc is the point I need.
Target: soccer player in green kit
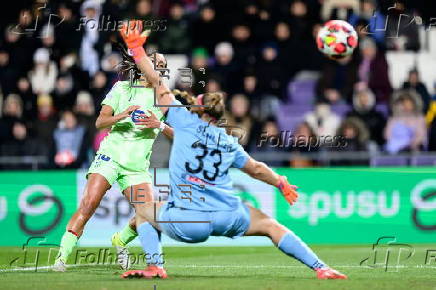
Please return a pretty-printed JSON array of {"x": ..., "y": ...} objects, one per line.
[{"x": 124, "y": 155}]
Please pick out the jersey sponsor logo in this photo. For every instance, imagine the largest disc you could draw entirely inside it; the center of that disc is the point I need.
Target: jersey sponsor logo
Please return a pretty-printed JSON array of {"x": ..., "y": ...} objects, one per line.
[{"x": 136, "y": 117}]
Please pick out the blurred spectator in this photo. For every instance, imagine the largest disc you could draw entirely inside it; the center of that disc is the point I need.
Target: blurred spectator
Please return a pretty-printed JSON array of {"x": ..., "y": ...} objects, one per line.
[
  {"x": 271, "y": 132},
  {"x": 249, "y": 86},
  {"x": 263, "y": 26},
  {"x": 109, "y": 65},
  {"x": 337, "y": 80},
  {"x": 239, "y": 116},
  {"x": 84, "y": 110},
  {"x": 299, "y": 20},
  {"x": 47, "y": 37},
  {"x": 63, "y": 94},
  {"x": 355, "y": 135},
  {"x": 339, "y": 9},
  {"x": 225, "y": 68},
  {"x": 68, "y": 66},
  {"x": 305, "y": 142},
  {"x": 99, "y": 88},
  {"x": 206, "y": 31},
  {"x": 244, "y": 48},
  {"x": 414, "y": 82},
  {"x": 69, "y": 142},
  {"x": 12, "y": 113},
  {"x": 352, "y": 137},
  {"x": 199, "y": 69},
  {"x": 46, "y": 119},
  {"x": 20, "y": 144},
  {"x": 373, "y": 70},
  {"x": 406, "y": 129},
  {"x": 364, "y": 110},
  {"x": 28, "y": 98},
  {"x": 20, "y": 50},
  {"x": 269, "y": 72},
  {"x": 322, "y": 120},
  {"x": 44, "y": 73},
  {"x": 371, "y": 20},
  {"x": 307, "y": 56},
  {"x": 7, "y": 72},
  {"x": 401, "y": 29},
  {"x": 90, "y": 11},
  {"x": 176, "y": 38},
  {"x": 69, "y": 27},
  {"x": 212, "y": 86},
  {"x": 143, "y": 10}
]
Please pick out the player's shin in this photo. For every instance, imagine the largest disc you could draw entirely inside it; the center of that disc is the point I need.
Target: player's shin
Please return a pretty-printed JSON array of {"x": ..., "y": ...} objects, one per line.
[
  {"x": 293, "y": 246},
  {"x": 150, "y": 242}
]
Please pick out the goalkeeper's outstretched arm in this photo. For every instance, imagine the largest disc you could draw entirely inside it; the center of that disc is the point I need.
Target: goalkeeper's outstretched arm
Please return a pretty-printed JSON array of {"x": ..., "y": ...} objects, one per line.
[
  {"x": 135, "y": 38},
  {"x": 262, "y": 172}
]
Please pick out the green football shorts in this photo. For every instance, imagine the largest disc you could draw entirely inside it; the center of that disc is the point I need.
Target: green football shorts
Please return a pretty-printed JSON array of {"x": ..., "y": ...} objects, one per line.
[{"x": 113, "y": 171}]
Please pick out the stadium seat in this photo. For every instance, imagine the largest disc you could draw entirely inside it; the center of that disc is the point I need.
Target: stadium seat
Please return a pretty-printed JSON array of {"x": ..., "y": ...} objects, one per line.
[
  {"x": 290, "y": 116},
  {"x": 379, "y": 161},
  {"x": 301, "y": 90}
]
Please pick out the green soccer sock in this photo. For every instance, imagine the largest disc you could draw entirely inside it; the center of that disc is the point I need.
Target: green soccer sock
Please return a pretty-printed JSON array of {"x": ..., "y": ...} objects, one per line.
[
  {"x": 68, "y": 242},
  {"x": 127, "y": 234}
]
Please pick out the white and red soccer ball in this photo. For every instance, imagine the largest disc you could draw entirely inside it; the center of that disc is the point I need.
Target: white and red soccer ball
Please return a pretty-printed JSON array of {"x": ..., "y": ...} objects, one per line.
[{"x": 337, "y": 39}]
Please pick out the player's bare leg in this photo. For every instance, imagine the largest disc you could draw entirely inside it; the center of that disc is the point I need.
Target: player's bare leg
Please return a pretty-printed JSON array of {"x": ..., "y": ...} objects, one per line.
[
  {"x": 289, "y": 243},
  {"x": 148, "y": 232},
  {"x": 95, "y": 189}
]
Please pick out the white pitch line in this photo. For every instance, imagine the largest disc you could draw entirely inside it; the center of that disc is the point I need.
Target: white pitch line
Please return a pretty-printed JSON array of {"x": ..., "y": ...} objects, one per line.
[{"x": 231, "y": 266}]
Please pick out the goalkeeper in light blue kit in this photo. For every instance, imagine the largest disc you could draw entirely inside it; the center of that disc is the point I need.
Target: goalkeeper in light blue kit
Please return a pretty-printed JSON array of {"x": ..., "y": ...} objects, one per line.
[{"x": 201, "y": 189}]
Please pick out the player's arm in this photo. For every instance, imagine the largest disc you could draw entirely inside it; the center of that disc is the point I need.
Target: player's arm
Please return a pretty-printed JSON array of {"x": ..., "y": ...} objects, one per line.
[
  {"x": 135, "y": 38},
  {"x": 107, "y": 119},
  {"x": 262, "y": 172},
  {"x": 151, "y": 121}
]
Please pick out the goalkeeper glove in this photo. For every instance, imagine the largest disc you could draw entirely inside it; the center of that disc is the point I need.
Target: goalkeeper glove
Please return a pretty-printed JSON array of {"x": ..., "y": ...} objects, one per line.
[
  {"x": 134, "y": 37},
  {"x": 288, "y": 190}
]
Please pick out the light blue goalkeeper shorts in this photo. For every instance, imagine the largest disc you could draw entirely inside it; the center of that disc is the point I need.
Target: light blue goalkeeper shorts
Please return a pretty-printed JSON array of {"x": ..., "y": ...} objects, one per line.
[{"x": 178, "y": 223}]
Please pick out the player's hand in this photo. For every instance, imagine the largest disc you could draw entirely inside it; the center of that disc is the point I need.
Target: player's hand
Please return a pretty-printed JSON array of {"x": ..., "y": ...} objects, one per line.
[
  {"x": 132, "y": 34},
  {"x": 289, "y": 191},
  {"x": 127, "y": 112},
  {"x": 150, "y": 121}
]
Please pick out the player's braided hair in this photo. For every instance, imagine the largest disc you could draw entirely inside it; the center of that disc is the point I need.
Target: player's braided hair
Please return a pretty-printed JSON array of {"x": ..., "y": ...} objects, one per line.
[
  {"x": 127, "y": 65},
  {"x": 213, "y": 103}
]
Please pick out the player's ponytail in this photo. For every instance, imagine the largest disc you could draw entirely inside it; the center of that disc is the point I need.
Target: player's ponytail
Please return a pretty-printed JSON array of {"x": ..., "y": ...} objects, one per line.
[{"x": 213, "y": 103}]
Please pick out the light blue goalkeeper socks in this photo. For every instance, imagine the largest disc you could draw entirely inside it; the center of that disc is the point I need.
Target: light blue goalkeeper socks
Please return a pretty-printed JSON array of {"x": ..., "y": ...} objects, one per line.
[
  {"x": 150, "y": 241},
  {"x": 293, "y": 246}
]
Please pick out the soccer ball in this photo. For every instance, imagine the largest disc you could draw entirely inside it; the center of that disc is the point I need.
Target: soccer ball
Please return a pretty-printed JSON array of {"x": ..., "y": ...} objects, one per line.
[{"x": 337, "y": 39}]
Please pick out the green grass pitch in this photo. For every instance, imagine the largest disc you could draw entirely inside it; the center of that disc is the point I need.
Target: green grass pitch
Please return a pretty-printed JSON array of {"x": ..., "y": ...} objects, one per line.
[{"x": 224, "y": 268}]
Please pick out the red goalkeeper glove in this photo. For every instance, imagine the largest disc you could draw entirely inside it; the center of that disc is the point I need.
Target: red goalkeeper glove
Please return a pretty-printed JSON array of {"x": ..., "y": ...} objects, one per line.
[
  {"x": 288, "y": 190},
  {"x": 134, "y": 37}
]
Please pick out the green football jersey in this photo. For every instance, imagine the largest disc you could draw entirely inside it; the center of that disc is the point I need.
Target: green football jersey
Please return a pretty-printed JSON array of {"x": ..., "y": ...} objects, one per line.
[{"x": 129, "y": 144}]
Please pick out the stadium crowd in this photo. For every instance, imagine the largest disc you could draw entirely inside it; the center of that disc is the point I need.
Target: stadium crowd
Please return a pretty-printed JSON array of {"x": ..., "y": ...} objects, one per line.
[{"x": 59, "y": 59}]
